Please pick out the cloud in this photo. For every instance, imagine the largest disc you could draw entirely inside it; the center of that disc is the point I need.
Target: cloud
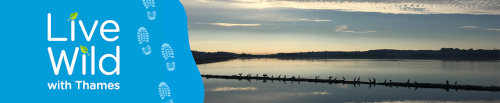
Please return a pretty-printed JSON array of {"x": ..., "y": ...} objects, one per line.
[
  {"x": 225, "y": 89},
  {"x": 474, "y": 7},
  {"x": 342, "y": 28},
  {"x": 469, "y": 27},
  {"x": 475, "y": 27},
  {"x": 366, "y": 31},
  {"x": 492, "y": 29},
  {"x": 314, "y": 20},
  {"x": 294, "y": 19},
  {"x": 231, "y": 24}
]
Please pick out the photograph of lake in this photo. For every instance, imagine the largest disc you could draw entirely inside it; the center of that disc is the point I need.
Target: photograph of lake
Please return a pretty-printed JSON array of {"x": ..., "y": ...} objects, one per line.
[{"x": 336, "y": 51}]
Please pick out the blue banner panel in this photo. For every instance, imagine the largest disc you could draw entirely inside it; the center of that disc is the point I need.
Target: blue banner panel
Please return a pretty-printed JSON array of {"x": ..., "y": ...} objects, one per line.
[{"x": 82, "y": 51}]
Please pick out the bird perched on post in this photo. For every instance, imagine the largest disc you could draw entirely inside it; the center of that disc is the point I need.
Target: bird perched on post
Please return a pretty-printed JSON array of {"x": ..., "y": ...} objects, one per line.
[
  {"x": 330, "y": 78},
  {"x": 415, "y": 82},
  {"x": 447, "y": 82},
  {"x": 370, "y": 80},
  {"x": 374, "y": 80},
  {"x": 279, "y": 76},
  {"x": 344, "y": 78},
  {"x": 335, "y": 78},
  {"x": 359, "y": 78},
  {"x": 385, "y": 80},
  {"x": 408, "y": 81}
]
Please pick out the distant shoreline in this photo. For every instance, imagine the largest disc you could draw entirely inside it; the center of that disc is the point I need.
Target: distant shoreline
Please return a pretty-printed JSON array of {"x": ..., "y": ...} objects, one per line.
[
  {"x": 214, "y": 60},
  {"x": 442, "y": 54},
  {"x": 479, "y": 59}
]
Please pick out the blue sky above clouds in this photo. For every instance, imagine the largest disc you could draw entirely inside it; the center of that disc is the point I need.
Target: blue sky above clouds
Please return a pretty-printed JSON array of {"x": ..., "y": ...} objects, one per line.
[{"x": 271, "y": 26}]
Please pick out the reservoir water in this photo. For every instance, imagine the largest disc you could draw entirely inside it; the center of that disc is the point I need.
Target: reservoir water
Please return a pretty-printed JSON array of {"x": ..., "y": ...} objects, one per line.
[{"x": 483, "y": 73}]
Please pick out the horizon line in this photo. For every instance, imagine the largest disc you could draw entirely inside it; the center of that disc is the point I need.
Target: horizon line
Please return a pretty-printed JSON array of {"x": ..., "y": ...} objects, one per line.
[{"x": 342, "y": 51}]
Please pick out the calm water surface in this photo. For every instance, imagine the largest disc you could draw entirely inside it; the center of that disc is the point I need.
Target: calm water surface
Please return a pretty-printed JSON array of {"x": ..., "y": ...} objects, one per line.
[{"x": 483, "y": 73}]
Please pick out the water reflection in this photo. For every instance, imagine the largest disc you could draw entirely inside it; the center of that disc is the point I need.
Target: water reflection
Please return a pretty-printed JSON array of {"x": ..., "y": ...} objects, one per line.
[
  {"x": 293, "y": 94},
  {"x": 430, "y": 71},
  {"x": 355, "y": 82},
  {"x": 439, "y": 101},
  {"x": 326, "y": 93},
  {"x": 225, "y": 89},
  {"x": 315, "y": 93}
]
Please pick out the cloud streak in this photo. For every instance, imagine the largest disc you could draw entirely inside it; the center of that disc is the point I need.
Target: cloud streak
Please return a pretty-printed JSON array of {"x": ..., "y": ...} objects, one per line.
[
  {"x": 474, "y": 7},
  {"x": 297, "y": 19},
  {"x": 314, "y": 20},
  {"x": 469, "y": 27},
  {"x": 232, "y": 24},
  {"x": 492, "y": 29},
  {"x": 342, "y": 28},
  {"x": 475, "y": 27}
]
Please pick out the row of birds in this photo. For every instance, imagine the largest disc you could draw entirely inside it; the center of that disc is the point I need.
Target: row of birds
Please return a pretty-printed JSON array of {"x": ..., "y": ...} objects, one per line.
[{"x": 330, "y": 78}]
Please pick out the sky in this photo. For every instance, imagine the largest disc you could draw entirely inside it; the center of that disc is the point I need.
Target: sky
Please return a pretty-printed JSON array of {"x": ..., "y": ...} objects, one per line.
[{"x": 273, "y": 26}]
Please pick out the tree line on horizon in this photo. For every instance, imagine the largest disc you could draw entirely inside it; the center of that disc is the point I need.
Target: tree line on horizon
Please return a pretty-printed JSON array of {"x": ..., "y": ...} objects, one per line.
[{"x": 443, "y": 53}]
